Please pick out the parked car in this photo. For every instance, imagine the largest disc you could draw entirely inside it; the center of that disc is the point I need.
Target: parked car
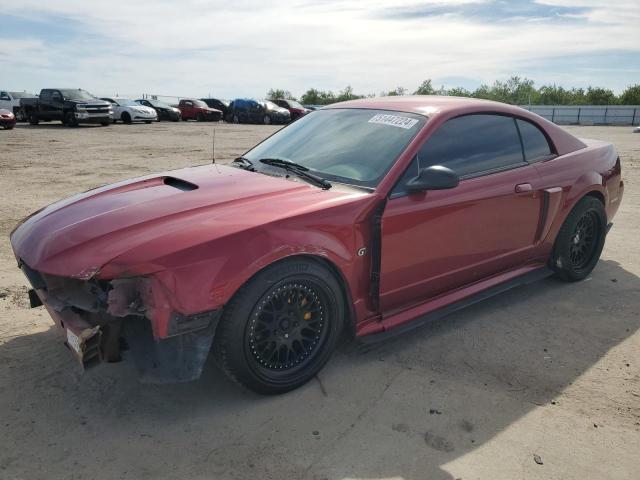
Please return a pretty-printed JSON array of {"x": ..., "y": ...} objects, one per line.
[
  {"x": 7, "y": 119},
  {"x": 243, "y": 110},
  {"x": 295, "y": 109},
  {"x": 68, "y": 105},
  {"x": 192, "y": 109},
  {"x": 11, "y": 101},
  {"x": 218, "y": 104},
  {"x": 374, "y": 215},
  {"x": 163, "y": 110},
  {"x": 130, "y": 111}
]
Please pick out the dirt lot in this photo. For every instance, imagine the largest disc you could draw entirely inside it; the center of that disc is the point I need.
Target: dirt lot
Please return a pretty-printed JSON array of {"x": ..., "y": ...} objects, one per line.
[{"x": 551, "y": 369}]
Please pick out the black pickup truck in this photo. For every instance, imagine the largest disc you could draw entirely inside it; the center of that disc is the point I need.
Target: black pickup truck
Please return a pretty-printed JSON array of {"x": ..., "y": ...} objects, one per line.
[{"x": 69, "y": 105}]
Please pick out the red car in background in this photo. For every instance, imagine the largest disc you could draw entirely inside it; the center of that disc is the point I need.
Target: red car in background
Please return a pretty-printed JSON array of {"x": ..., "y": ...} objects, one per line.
[
  {"x": 295, "y": 109},
  {"x": 193, "y": 109},
  {"x": 7, "y": 119},
  {"x": 373, "y": 215}
]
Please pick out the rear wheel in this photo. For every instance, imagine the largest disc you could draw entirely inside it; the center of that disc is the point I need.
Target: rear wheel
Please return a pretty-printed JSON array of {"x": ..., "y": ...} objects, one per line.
[
  {"x": 33, "y": 118},
  {"x": 266, "y": 120},
  {"x": 200, "y": 117},
  {"x": 580, "y": 241},
  {"x": 236, "y": 119},
  {"x": 126, "y": 118},
  {"x": 281, "y": 328}
]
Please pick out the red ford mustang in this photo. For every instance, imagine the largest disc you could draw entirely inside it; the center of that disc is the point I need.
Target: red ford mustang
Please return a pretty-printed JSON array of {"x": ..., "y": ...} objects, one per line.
[{"x": 373, "y": 215}]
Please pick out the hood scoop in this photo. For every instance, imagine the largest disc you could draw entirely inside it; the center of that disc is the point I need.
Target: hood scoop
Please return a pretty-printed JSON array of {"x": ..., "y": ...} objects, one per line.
[{"x": 179, "y": 184}]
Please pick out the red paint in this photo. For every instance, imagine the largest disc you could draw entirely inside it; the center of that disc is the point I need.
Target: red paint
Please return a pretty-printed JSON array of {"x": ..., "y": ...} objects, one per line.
[
  {"x": 197, "y": 109},
  {"x": 198, "y": 247}
]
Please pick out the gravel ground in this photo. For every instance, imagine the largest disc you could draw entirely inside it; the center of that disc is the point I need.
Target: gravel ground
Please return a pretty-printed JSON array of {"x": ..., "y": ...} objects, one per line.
[{"x": 539, "y": 383}]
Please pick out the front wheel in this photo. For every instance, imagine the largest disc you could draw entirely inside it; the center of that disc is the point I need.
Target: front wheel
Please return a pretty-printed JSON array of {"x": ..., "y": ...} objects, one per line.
[
  {"x": 281, "y": 327},
  {"x": 266, "y": 120},
  {"x": 33, "y": 118},
  {"x": 70, "y": 120},
  {"x": 580, "y": 241}
]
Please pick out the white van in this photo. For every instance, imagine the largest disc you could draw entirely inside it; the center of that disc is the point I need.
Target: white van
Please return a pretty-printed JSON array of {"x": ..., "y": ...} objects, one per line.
[{"x": 11, "y": 101}]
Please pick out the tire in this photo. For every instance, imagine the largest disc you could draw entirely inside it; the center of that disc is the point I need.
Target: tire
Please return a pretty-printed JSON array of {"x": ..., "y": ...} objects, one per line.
[
  {"x": 9, "y": 127},
  {"x": 33, "y": 118},
  {"x": 580, "y": 241},
  {"x": 266, "y": 120},
  {"x": 20, "y": 114},
  {"x": 105, "y": 124},
  {"x": 200, "y": 117},
  {"x": 70, "y": 120},
  {"x": 244, "y": 344},
  {"x": 126, "y": 118},
  {"x": 147, "y": 122}
]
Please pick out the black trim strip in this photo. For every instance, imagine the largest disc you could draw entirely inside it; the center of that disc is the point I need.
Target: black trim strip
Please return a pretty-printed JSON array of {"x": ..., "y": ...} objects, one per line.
[
  {"x": 376, "y": 256},
  {"x": 529, "y": 277},
  {"x": 543, "y": 215}
]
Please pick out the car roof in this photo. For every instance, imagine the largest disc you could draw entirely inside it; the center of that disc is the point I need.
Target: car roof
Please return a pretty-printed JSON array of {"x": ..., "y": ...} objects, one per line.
[
  {"x": 434, "y": 106},
  {"x": 425, "y": 104}
]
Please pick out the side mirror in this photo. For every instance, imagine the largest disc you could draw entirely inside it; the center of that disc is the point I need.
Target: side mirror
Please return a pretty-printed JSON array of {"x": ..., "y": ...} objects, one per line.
[{"x": 435, "y": 177}]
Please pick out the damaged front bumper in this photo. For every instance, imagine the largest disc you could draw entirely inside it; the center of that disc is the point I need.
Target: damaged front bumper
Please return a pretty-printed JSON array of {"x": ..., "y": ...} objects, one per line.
[{"x": 102, "y": 320}]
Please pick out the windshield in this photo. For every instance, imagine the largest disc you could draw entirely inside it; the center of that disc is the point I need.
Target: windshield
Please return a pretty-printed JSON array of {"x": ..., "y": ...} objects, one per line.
[
  {"x": 271, "y": 105},
  {"x": 158, "y": 103},
  {"x": 125, "y": 102},
  {"x": 351, "y": 146},
  {"x": 77, "y": 95},
  {"x": 200, "y": 103},
  {"x": 294, "y": 104}
]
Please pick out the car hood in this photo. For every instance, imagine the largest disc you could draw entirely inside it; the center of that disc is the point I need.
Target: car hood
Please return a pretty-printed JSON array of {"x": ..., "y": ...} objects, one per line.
[
  {"x": 161, "y": 213},
  {"x": 95, "y": 101}
]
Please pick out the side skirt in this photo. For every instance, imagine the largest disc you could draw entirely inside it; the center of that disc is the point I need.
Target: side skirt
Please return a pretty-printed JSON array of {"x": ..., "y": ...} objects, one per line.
[{"x": 530, "y": 276}]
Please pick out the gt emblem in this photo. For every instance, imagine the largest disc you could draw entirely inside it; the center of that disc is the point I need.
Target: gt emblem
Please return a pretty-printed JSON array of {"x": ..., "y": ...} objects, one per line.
[{"x": 362, "y": 251}]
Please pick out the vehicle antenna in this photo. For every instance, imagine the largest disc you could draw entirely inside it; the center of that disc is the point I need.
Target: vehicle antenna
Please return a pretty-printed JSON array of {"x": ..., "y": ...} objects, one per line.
[{"x": 213, "y": 150}]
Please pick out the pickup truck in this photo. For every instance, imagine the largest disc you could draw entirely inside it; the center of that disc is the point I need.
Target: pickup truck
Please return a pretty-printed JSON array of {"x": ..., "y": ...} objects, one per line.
[
  {"x": 71, "y": 106},
  {"x": 11, "y": 101}
]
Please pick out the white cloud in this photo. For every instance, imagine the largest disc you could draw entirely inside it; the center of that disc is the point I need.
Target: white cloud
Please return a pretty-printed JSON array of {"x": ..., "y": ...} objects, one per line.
[{"x": 195, "y": 47}]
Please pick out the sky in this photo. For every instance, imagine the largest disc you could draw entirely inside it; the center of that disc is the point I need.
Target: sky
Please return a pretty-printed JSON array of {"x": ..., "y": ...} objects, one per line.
[{"x": 242, "y": 48}]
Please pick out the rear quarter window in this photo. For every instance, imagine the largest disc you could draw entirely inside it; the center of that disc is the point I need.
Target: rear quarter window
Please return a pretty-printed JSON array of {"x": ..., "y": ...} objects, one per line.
[{"x": 535, "y": 143}]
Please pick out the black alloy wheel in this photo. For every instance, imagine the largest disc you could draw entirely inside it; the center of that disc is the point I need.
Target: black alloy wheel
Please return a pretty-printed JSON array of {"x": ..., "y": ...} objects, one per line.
[
  {"x": 584, "y": 240},
  {"x": 580, "y": 240},
  {"x": 281, "y": 327},
  {"x": 287, "y": 328}
]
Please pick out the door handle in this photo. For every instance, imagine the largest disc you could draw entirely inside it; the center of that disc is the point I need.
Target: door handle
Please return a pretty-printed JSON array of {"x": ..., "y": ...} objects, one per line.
[{"x": 524, "y": 188}]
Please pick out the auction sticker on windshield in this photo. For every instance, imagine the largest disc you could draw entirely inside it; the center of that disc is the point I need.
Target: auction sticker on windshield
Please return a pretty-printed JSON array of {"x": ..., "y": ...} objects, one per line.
[{"x": 393, "y": 120}]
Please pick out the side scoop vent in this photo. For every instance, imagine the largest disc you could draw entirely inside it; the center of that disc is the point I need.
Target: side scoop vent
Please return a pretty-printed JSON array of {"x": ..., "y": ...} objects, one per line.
[{"x": 179, "y": 184}]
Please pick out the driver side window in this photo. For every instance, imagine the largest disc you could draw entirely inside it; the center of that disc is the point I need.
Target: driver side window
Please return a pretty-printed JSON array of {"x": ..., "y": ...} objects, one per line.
[{"x": 471, "y": 145}]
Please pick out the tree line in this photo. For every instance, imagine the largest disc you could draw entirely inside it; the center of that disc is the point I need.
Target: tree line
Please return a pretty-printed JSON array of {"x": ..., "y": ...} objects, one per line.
[{"x": 515, "y": 90}]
